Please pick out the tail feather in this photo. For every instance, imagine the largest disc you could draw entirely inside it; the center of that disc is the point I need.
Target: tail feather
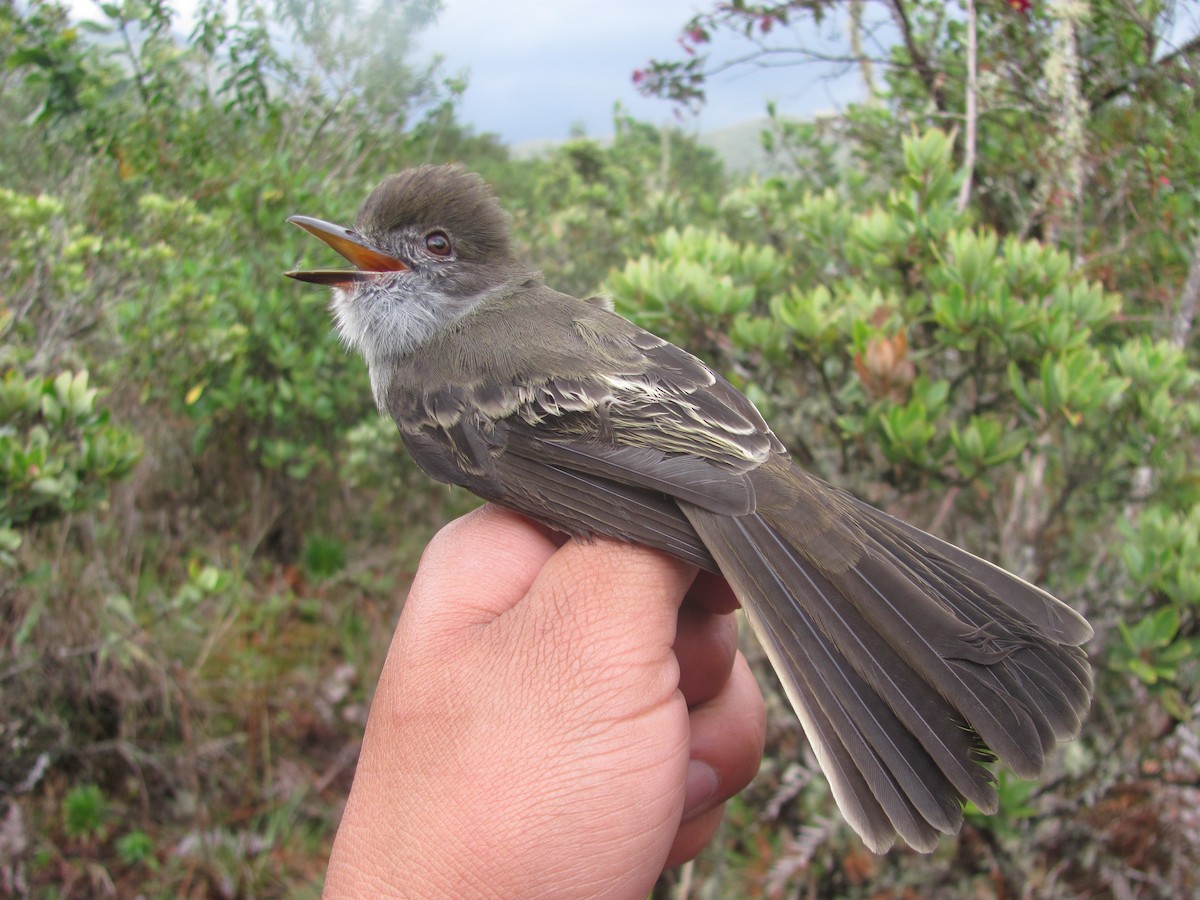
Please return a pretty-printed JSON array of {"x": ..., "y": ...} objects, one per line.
[
  {"x": 857, "y": 728},
  {"x": 847, "y": 725},
  {"x": 1041, "y": 665},
  {"x": 919, "y": 709},
  {"x": 1024, "y": 609},
  {"x": 888, "y": 743},
  {"x": 930, "y": 639},
  {"x": 853, "y": 795},
  {"x": 906, "y": 663},
  {"x": 1051, "y": 616}
]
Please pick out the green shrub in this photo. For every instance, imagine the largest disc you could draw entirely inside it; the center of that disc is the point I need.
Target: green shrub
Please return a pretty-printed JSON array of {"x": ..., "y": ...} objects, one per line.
[
  {"x": 58, "y": 452},
  {"x": 85, "y": 813},
  {"x": 892, "y": 342}
]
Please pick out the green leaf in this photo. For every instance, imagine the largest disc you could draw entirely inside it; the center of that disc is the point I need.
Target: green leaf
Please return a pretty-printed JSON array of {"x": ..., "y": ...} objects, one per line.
[{"x": 1143, "y": 670}]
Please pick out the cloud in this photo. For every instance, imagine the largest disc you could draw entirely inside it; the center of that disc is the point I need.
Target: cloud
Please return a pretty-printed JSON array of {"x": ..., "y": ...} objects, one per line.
[{"x": 538, "y": 67}]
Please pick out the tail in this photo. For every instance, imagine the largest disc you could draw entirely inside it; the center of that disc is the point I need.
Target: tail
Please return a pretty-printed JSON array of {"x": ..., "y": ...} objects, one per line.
[{"x": 909, "y": 661}]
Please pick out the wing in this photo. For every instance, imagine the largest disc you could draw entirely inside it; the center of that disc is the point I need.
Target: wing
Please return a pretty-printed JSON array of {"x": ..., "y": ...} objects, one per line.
[
  {"x": 591, "y": 451},
  {"x": 570, "y": 500},
  {"x": 603, "y": 448}
]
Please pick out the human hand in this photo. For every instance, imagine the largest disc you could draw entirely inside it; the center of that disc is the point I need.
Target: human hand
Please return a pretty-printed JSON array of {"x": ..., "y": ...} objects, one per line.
[{"x": 552, "y": 719}]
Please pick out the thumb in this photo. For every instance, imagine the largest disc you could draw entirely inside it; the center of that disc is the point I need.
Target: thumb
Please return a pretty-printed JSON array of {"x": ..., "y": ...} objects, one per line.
[
  {"x": 481, "y": 564},
  {"x": 595, "y": 593}
]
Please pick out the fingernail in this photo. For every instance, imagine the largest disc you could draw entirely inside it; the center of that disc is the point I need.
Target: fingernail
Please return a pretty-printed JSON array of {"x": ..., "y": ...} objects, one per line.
[{"x": 701, "y": 785}]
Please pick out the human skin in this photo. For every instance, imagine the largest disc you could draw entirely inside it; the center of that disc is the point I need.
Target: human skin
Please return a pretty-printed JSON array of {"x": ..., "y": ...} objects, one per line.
[{"x": 554, "y": 718}]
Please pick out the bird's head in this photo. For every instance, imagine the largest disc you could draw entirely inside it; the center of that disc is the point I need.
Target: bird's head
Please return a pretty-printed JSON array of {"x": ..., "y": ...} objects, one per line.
[{"x": 429, "y": 244}]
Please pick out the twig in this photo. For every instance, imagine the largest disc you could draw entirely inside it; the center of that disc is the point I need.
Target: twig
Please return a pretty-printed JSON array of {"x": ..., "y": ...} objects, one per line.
[
  {"x": 964, "y": 194},
  {"x": 856, "y": 47},
  {"x": 929, "y": 77},
  {"x": 684, "y": 891},
  {"x": 943, "y": 510},
  {"x": 1189, "y": 300}
]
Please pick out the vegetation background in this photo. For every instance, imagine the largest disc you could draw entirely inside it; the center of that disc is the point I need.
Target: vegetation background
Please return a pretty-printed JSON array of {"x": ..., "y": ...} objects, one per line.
[{"x": 971, "y": 300}]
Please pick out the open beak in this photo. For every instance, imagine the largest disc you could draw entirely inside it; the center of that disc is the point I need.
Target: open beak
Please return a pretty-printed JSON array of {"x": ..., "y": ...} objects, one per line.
[{"x": 368, "y": 261}]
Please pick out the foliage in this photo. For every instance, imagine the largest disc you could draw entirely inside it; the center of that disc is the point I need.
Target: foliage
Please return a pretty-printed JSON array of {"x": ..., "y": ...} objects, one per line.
[
  {"x": 204, "y": 523},
  {"x": 149, "y": 642},
  {"x": 85, "y": 813},
  {"x": 612, "y": 199},
  {"x": 137, "y": 848},
  {"x": 928, "y": 351},
  {"x": 1087, "y": 115},
  {"x": 58, "y": 452}
]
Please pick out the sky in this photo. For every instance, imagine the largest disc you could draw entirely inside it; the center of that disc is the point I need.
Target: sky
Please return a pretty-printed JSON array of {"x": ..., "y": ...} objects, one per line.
[{"x": 539, "y": 68}]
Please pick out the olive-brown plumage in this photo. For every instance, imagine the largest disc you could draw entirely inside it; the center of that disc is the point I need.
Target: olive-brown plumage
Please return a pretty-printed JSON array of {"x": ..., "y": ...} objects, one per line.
[{"x": 908, "y": 660}]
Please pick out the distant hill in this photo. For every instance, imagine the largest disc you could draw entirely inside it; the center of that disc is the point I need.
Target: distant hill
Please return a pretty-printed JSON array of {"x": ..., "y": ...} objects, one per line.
[{"x": 738, "y": 146}]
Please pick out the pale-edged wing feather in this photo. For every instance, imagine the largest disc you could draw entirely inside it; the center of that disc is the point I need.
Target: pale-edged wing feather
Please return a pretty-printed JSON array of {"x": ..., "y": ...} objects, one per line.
[{"x": 574, "y": 501}]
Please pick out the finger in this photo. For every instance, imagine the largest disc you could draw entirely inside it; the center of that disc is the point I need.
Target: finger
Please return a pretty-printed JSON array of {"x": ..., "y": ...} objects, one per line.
[
  {"x": 705, "y": 645},
  {"x": 728, "y": 734},
  {"x": 489, "y": 547},
  {"x": 596, "y": 590},
  {"x": 693, "y": 836},
  {"x": 710, "y": 591}
]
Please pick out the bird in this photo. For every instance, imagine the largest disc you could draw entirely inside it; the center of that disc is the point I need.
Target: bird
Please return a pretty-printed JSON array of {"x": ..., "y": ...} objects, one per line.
[{"x": 911, "y": 664}]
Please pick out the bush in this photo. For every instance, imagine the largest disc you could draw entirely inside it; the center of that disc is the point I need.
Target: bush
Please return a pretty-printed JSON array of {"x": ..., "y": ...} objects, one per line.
[{"x": 58, "y": 452}]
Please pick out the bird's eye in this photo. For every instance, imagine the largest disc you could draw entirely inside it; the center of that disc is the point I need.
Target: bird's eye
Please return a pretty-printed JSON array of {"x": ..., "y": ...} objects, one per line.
[{"x": 437, "y": 243}]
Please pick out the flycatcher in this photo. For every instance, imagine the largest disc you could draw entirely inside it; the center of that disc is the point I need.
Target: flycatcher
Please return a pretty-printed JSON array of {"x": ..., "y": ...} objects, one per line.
[{"x": 909, "y": 662}]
